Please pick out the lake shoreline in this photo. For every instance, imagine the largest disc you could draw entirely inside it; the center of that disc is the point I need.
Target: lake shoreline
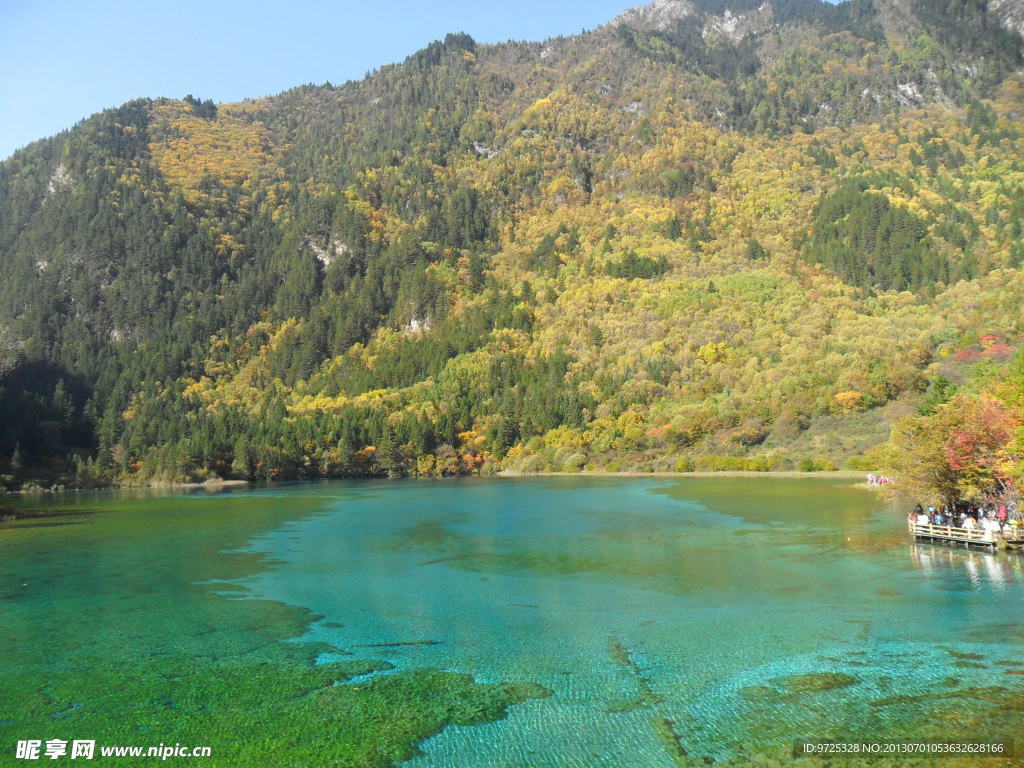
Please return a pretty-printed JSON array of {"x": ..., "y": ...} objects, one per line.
[
  {"x": 839, "y": 474},
  {"x": 213, "y": 484},
  {"x": 508, "y": 473}
]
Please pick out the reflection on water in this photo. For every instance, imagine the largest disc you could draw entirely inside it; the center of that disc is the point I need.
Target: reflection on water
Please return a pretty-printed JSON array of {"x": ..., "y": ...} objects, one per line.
[{"x": 955, "y": 568}]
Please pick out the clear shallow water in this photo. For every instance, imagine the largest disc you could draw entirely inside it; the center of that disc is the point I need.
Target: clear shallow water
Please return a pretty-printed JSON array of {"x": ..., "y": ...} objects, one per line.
[
  {"x": 747, "y": 612},
  {"x": 684, "y": 598}
]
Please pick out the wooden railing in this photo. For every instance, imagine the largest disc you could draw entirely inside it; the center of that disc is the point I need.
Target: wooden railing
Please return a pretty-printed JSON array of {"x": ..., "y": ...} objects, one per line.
[
  {"x": 1015, "y": 535},
  {"x": 955, "y": 533}
]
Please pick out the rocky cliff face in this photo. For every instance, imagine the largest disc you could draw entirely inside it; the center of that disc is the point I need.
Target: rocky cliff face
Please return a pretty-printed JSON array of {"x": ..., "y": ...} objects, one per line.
[
  {"x": 1010, "y": 14},
  {"x": 734, "y": 21},
  {"x": 659, "y": 15}
]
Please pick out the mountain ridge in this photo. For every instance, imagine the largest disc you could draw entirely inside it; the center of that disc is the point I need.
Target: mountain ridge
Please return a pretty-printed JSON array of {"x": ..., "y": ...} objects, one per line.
[{"x": 665, "y": 246}]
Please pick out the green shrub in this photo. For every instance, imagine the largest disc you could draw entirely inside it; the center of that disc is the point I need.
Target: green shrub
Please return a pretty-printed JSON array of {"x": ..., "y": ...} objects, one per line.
[
  {"x": 861, "y": 463},
  {"x": 816, "y": 465},
  {"x": 574, "y": 463}
]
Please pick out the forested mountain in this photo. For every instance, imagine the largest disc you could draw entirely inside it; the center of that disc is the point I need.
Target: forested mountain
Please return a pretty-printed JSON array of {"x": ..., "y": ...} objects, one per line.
[{"x": 711, "y": 233}]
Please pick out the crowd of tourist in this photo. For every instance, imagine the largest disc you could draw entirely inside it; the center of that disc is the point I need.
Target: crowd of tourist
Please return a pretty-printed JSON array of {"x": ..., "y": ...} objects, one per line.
[{"x": 995, "y": 519}]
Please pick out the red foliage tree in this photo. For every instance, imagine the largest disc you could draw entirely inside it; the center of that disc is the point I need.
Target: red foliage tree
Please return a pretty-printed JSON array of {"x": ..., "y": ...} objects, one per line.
[{"x": 978, "y": 446}]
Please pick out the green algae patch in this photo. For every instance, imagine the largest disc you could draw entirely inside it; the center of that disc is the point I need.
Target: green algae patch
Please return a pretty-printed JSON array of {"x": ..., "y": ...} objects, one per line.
[
  {"x": 349, "y": 668},
  {"x": 293, "y": 711},
  {"x": 993, "y": 713},
  {"x": 382, "y": 723},
  {"x": 646, "y": 697},
  {"x": 1007, "y": 632},
  {"x": 133, "y": 629},
  {"x": 965, "y": 656},
  {"x": 794, "y": 687},
  {"x": 618, "y": 654},
  {"x": 814, "y": 682},
  {"x": 996, "y": 694},
  {"x": 398, "y": 644},
  {"x": 758, "y": 693},
  {"x": 645, "y": 700},
  {"x": 783, "y": 757},
  {"x": 670, "y": 741}
]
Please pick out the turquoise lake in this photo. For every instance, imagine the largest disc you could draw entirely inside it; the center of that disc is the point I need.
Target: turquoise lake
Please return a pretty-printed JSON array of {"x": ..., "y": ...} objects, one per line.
[{"x": 746, "y": 612}]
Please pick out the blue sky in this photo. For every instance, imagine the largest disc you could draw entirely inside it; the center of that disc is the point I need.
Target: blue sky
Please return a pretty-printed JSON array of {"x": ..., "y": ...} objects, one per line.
[
  {"x": 63, "y": 60},
  {"x": 66, "y": 59}
]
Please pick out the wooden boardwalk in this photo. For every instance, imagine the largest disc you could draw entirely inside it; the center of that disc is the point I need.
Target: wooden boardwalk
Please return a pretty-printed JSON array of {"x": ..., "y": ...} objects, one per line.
[{"x": 969, "y": 537}]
